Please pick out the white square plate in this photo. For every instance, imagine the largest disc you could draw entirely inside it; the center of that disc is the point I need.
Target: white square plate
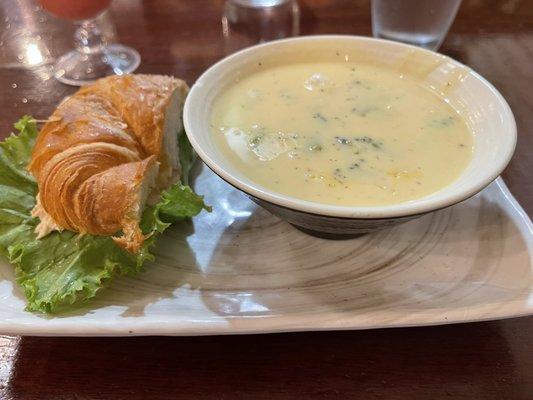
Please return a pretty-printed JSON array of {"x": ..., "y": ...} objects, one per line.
[{"x": 241, "y": 270}]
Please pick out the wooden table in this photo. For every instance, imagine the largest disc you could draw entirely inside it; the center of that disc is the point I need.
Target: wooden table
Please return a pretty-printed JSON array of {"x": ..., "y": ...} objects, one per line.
[{"x": 492, "y": 360}]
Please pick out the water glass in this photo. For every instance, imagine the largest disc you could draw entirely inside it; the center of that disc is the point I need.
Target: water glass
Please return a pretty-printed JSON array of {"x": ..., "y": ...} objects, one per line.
[
  {"x": 248, "y": 22},
  {"x": 420, "y": 22}
]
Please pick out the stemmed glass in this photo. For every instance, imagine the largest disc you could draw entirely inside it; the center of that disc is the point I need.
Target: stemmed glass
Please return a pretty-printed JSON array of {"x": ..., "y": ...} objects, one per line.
[{"x": 92, "y": 57}]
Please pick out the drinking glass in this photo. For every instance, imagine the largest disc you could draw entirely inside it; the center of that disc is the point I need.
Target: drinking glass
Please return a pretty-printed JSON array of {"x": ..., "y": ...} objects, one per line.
[
  {"x": 92, "y": 57},
  {"x": 420, "y": 22},
  {"x": 248, "y": 22}
]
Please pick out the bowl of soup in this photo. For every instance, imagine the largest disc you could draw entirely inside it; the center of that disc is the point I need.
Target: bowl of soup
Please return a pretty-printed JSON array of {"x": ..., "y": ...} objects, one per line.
[{"x": 342, "y": 135}]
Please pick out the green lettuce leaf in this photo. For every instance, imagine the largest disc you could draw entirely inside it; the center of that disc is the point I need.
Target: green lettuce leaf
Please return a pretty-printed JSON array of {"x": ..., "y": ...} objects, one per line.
[
  {"x": 187, "y": 156},
  {"x": 64, "y": 268}
]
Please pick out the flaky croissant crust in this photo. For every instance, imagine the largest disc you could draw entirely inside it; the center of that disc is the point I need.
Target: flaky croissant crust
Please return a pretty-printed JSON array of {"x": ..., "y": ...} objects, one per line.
[{"x": 103, "y": 151}]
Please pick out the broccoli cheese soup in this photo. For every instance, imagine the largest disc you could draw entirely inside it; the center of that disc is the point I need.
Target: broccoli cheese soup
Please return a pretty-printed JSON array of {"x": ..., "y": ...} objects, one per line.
[{"x": 341, "y": 133}]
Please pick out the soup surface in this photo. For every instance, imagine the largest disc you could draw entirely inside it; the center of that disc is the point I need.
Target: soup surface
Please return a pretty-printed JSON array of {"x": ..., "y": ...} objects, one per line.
[{"x": 341, "y": 133}]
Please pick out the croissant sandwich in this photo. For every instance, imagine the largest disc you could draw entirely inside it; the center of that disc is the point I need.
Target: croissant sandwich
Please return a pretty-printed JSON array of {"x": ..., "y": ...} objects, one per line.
[{"x": 104, "y": 153}]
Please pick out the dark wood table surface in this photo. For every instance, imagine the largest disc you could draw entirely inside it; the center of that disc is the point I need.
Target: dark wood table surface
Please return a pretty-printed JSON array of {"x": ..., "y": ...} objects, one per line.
[{"x": 490, "y": 360}]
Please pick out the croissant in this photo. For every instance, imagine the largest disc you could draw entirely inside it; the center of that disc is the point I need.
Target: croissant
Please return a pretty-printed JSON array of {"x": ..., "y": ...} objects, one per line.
[{"x": 104, "y": 152}]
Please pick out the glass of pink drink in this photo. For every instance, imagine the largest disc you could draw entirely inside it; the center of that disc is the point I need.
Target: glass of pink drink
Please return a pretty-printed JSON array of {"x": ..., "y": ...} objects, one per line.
[{"x": 92, "y": 57}]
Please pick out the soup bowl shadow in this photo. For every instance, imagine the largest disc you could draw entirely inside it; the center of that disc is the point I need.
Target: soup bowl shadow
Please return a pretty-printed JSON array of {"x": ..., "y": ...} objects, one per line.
[{"x": 485, "y": 111}]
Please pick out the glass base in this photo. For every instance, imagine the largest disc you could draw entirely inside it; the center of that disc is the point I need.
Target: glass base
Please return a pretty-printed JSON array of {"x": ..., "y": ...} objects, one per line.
[
  {"x": 78, "y": 69},
  {"x": 429, "y": 42}
]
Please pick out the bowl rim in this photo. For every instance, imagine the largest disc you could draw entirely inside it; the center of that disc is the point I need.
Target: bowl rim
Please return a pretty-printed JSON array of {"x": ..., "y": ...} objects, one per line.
[{"x": 412, "y": 207}]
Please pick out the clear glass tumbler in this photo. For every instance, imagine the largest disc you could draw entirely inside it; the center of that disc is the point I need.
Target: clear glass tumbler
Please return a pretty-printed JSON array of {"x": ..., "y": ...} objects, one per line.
[
  {"x": 248, "y": 22},
  {"x": 423, "y": 23}
]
